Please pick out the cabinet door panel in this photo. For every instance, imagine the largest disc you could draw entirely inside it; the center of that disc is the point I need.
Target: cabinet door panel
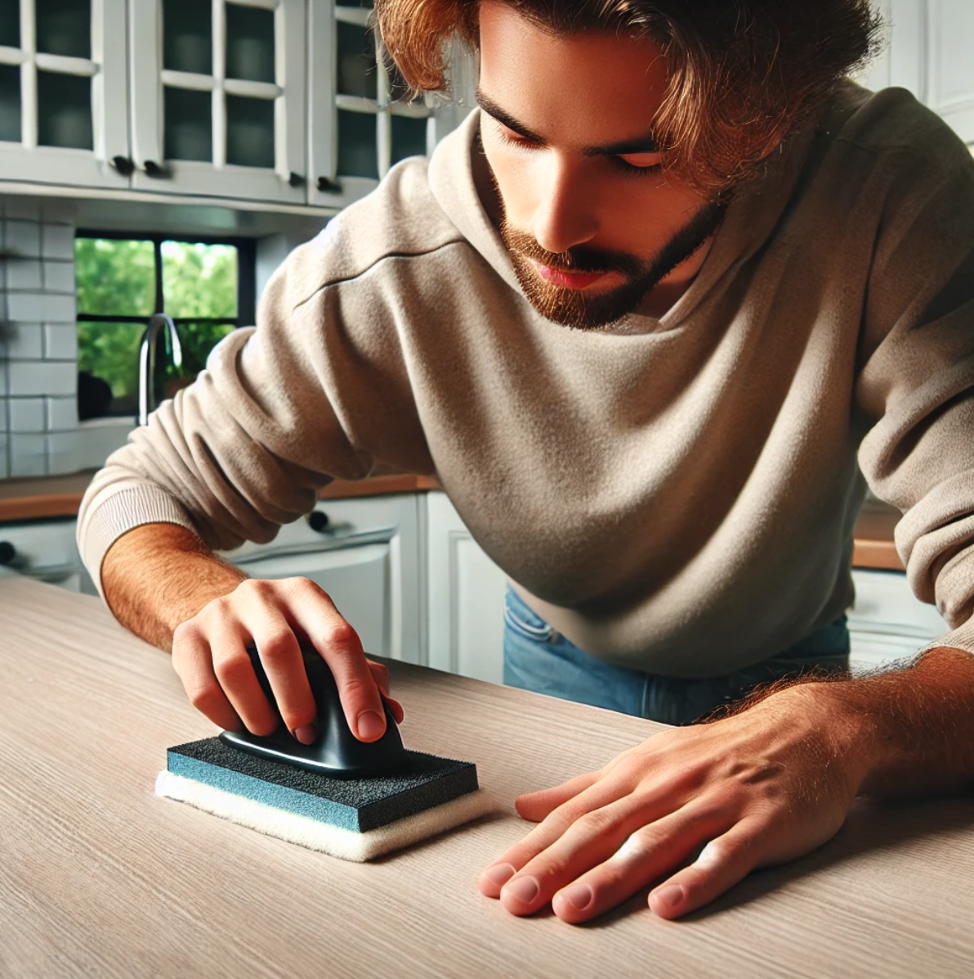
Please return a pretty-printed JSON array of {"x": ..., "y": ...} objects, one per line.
[
  {"x": 356, "y": 580},
  {"x": 63, "y": 94},
  {"x": 219, "y": 98}
]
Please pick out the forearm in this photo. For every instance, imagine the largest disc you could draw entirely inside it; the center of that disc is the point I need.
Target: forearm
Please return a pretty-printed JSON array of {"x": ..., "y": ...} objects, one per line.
[
  {"x": 158, "y": 575},
  {"x": 915, "y": 726}
]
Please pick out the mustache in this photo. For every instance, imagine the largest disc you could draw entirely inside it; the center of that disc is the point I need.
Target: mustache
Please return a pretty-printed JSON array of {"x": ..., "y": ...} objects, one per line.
[{"x": 582, "y": 258}]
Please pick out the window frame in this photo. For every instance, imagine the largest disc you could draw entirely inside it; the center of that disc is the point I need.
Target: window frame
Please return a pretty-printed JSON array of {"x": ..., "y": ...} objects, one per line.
[{"x": 246, "y": 281}]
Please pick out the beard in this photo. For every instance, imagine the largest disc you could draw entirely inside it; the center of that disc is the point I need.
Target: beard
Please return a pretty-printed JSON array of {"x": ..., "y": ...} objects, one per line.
[{"x": 578, "y": 310}]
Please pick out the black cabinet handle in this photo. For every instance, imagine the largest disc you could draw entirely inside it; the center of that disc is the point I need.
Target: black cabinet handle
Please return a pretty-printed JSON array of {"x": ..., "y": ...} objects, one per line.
[
  {"x": 123, "y": 164},
  {"x": 318, "y": 520},
  {"x": 152, "y": 169},
  {"x": 8, "y": 552},
  {"x": 295, "y": 180},
  {"x": 327, "y": 186}
]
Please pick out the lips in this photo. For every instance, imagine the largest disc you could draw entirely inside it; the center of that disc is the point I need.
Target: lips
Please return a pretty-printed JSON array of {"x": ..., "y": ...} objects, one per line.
[{"x": 568, "y": 280}]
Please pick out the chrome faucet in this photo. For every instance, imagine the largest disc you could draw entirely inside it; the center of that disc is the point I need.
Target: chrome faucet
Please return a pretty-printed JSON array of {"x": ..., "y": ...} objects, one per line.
[{"x": 147, "y": 361}]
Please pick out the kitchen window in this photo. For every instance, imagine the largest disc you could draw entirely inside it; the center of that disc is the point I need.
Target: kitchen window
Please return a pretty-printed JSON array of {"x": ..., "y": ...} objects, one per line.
[{"x": 207, "y": 286}]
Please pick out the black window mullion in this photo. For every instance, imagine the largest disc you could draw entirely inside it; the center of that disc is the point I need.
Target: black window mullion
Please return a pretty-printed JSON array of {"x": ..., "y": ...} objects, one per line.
[{"x": 160, "y": 298}]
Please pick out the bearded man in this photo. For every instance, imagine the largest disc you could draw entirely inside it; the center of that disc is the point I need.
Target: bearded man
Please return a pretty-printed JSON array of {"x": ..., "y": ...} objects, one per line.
[{"x": 654, "y": 316}]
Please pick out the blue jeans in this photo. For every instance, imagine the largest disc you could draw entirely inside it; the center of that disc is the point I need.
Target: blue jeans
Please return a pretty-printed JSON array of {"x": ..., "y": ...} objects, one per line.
[{"x": 538, "y": 658}]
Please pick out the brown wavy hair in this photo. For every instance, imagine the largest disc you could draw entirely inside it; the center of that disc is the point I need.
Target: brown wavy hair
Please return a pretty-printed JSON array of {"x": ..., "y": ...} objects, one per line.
[{"x": 742, "y": 73}]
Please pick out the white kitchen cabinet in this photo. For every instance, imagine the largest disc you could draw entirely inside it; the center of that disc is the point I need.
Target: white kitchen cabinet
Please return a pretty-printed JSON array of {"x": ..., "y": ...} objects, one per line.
[
  {"x": 888, "y": 622},
  {"x": 366, "y": 554},
  {"x": 274, "y": 102},
  {"x": 465, "y": 600},
  {"x": 218, "y": 98},
  {"x": 63, "y": 97},
  {"x": 360, "y": 121},
  {"x": 930, "y": 51},
  {"x": 45, "y": 550}
]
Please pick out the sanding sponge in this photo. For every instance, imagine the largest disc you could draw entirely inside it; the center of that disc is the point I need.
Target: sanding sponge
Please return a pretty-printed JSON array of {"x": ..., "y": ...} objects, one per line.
[{"x": 355, "y": 819}]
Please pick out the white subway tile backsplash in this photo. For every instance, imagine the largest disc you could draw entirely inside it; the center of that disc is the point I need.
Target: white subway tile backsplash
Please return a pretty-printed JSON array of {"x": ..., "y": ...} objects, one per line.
[
  {"x": 23, "y": 274},
  {"x": 59, "y": 309},
  {"x": 4, "y": 467},
  {"x": 25, "y": 341},
  {"x": 60, "y": 341},
  {"x": 28, "y": 455},
  {"x": 64, "y": 453},
  {"x": 26, "y": 307},
  {"x": 59, "y": 277},
  {"x": 58, "y": 241},
  {"x": 26, "y": 414},
  {"x": 23, "y": 238},
  {"x": 22, "y": 208},
  {"x": 43, "y": 377},
  {"x": 62, "y": 414}
]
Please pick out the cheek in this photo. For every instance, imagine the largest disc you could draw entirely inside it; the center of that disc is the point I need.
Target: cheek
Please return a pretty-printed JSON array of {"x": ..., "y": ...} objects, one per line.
[{"x": 516, "y": 179}]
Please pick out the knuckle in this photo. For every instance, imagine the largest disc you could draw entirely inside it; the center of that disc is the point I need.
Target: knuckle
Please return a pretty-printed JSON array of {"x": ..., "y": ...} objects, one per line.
[
  {"x": 232, "y": 666},
  {"x": 278, "y": 646},
  {"x": 596, "y": 822},
  {"x": 206, "y": 697},
  {"x": 341, "y": 636}
]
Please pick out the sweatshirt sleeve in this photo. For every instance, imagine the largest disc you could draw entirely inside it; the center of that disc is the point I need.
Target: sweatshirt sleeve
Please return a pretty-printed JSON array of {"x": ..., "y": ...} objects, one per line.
[
  {"x": 916, "y": 382},
  {"x": 281, "y": 409}
]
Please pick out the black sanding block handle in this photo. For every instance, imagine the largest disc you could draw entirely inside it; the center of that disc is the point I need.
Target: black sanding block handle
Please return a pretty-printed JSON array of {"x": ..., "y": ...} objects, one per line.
[{"x": 336, "y": 751}]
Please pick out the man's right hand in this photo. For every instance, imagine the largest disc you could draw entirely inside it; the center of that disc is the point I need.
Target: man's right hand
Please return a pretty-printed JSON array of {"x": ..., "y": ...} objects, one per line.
[
  {"x": 163, "y": 583},
  {"x": 209, "y": 652}
]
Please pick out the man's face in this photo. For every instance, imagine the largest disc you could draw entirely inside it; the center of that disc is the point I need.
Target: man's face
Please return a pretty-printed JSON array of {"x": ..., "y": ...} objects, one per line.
[{"x": 592, "y": 225}]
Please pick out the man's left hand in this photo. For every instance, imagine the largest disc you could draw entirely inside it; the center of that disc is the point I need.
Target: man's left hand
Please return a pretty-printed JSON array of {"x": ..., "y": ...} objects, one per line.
[{"x": 758, "y": 788}]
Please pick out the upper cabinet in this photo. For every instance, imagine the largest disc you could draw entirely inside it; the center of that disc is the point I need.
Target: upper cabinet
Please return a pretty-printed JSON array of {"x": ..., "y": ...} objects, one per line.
[
  {"x": 63, "y": 104},
  {"x": 219, "y": 97},
  {"x": 283, "y": 102},
  {"x": 929, "y": 52}
]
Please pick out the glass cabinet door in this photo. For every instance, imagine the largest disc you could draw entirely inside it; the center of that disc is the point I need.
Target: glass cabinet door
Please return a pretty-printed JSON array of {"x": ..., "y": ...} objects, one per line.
[
  {"x": 361, "y": 121},
  {"x": 63, "y": 98},
  {"x": 219, "y": 98}
]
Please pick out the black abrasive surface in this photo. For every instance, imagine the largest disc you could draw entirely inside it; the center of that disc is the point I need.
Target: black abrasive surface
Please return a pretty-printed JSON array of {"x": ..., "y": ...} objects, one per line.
[{"x": 355, "y": 804}]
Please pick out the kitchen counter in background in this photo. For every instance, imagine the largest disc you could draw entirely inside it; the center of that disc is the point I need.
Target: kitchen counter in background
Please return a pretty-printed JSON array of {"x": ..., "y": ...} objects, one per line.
[{"x": 60, "y": 496}]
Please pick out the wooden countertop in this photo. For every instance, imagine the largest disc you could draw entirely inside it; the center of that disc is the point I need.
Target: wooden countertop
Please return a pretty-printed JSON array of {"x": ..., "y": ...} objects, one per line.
[
  {"x": 102, "y": 878},
  {"x": 60, "y": 496}
]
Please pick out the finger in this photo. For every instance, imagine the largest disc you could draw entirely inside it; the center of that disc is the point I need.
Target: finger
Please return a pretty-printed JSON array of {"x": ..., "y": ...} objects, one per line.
[
  {"x": 722, "y": 863},
  {"x": 280, "y": 656},
  {"x": 536, "y": 805},
  {"x": 380, "y": 673},
  {"x": 648, "y": 853},
  {"x": 554, "y": 825},
  {"x": 339, "y": 645},
  {"x": 234, "y": 670},
  {"x": 397, "y": 712},
  {"x": 192, "y": 662}
]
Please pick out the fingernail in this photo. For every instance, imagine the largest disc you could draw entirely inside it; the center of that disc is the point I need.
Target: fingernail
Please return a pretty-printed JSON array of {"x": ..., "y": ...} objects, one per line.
[
  {"x": 670, "y": 896},
  {"x": 499, "y": 874},
  {"x": 523, "y": 888},
  {"x": 370, "y": 725},
  {"x": 579, "y": 896},
  {"x": 306, "y": 734}
]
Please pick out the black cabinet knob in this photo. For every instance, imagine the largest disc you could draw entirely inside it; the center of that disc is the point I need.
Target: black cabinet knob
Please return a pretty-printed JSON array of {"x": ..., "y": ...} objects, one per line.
[
  {"x": 317, "y": 520},
  {"x": 327, "y": 186},
  {"x": 295, "y": 180},
  {"x": 123, "y": 164},
  {"x": 152, "y": 169},
  {"x": 8, "y": 552}
]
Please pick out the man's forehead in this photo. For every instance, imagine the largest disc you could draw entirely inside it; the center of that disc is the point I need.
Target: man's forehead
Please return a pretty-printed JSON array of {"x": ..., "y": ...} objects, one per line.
[{"x": 598, "y": 91}]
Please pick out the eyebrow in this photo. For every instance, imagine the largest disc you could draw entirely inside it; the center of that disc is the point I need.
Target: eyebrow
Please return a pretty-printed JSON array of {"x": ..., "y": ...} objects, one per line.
[{"x": 626, "y": 147}]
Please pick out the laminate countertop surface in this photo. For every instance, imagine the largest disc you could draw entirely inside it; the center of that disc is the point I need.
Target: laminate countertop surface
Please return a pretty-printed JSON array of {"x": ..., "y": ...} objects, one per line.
[{"x": 101, "y": 878}]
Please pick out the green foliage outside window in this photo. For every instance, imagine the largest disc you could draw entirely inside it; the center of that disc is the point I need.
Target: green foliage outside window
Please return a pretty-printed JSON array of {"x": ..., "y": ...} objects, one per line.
[{"x": 118, "y": 278}]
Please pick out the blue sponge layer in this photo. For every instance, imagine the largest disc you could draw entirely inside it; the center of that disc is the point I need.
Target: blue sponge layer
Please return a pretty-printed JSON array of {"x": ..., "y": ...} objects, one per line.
[{"x": 358, "y": 805}]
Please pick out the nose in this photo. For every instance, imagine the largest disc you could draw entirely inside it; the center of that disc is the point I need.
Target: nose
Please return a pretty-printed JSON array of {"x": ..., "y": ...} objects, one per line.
[{"x": 565, "y": 214}]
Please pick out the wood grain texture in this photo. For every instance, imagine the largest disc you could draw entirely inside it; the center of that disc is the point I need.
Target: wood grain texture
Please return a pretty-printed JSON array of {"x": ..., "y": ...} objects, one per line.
[{"x": 100, "y": 878}]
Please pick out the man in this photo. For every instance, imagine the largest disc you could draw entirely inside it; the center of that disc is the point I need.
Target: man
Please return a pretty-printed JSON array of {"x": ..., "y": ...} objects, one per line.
[{"x": 645, "y": 315}]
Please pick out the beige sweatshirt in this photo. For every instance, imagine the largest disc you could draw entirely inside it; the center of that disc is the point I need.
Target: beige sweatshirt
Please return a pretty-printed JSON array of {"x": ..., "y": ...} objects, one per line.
[{"x": 674, "y": 495}]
